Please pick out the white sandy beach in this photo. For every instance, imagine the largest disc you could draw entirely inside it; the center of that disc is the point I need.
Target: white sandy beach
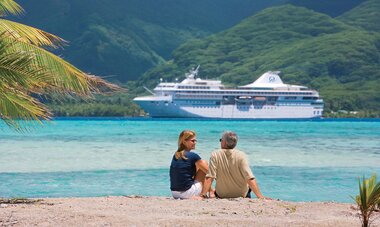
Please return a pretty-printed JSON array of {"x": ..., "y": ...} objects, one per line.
[{"x": 163, "y": 211}]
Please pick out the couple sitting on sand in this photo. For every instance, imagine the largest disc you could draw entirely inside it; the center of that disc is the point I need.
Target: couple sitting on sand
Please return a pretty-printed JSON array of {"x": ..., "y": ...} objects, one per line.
[{"x": 191, "y": 177}]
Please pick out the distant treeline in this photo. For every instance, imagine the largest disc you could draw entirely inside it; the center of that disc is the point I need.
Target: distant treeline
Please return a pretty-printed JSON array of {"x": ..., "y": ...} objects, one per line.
[{"x": 118, "y": 105}]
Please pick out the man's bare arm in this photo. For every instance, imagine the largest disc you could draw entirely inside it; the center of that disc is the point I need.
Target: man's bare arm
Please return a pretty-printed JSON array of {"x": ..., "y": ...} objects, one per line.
[{"x": 255, "y": 188}]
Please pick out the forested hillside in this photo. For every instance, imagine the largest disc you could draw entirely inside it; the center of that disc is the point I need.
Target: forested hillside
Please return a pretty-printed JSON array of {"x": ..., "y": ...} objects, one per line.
[
  {"x": 340, "y": 60},
  {"x": 332, "y": 8},
  {"x": 121, "y": 39},
  {"x": 366, "y": 16}
]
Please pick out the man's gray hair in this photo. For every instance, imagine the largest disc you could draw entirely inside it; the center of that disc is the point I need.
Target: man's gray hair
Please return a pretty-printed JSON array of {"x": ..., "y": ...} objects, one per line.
[{"x": 231, "y": 139}]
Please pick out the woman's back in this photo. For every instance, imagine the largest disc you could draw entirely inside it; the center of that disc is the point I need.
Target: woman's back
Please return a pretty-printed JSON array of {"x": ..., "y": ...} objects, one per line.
[{"x": 182, "y": 171}]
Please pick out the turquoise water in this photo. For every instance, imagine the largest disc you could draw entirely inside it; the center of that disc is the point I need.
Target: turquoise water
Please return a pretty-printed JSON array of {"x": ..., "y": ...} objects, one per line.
[{"x": 292, "y": 160}]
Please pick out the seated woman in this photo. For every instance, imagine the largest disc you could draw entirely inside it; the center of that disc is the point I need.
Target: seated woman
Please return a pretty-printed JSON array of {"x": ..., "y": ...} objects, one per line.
[{"x": 187, "y": 169}]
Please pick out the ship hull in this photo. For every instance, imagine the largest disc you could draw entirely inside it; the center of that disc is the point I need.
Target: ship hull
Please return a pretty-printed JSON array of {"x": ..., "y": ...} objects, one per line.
[{"x": 165, "y": 109}]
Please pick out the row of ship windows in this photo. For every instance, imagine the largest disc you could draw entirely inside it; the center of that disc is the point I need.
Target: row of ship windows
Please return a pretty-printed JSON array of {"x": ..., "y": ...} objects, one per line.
[
  {"x": 292, "y": 104},
  {"x": 247, "y": 107},
  {"x": 250, "y": 97},
  {"x": 161, "y": 86},
  {"x": 212, "y": 104},
  {"x": 198, "y": 96},
  {"x": 254, "y": 98},
  {"x": 193, "y": 87},
  {"x": 256, "y": 107},
  {"x": 246, "y": 93},
  {"x": 242, "y": 104},
  {"x": 201, "y": 102},
  {"x": 240, "y": 108},
  {"x": 218, "y": 103}
]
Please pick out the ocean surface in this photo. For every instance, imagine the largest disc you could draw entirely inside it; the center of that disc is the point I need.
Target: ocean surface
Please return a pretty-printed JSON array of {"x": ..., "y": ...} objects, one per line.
[{"x": 292, "y": 160}]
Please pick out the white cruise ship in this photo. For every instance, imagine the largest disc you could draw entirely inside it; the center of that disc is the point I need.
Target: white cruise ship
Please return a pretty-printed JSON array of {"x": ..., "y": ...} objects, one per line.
[{"x": 266, "y": 98}]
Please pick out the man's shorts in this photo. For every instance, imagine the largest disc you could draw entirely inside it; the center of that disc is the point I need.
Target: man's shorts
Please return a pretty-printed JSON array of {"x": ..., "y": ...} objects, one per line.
[{"x": 195, "y": 190}]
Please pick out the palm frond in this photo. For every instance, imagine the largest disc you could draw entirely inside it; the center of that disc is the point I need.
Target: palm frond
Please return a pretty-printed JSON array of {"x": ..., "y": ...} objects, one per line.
[
  {"x": 16, "y": 105},
  {"x": 28, "y": 34},
  {"x": 17, "y": 70},
  {"x": 16, "y": 83},
  {"x": 374, "y": 189},
  {"x": 10, "y": 7},
  {"x": 31, "y": 109},
  {"x": 60, "y": 75},
  {"x": 369, "y": 198},
  {"x": 363, "y": 193},
  {"x": 103, "y": 87}
]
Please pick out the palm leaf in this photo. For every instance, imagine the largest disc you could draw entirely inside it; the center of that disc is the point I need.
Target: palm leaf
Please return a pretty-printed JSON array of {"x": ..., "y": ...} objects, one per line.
[
  {"x": 28, "y": 34},
  {"x": 374, "y": 190},
  {"x": 18, "y": 105},
  {"x": 59, "y": 75},
  {"x": 18, "y": 71},
  {"x": 368, "y": 199},
  {"x": 17, "y": 80},
  {"x": 10, "y": 7}
]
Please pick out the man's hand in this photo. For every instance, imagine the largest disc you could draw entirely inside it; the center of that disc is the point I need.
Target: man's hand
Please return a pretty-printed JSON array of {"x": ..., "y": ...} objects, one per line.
[{"x": 266, "y": 198}]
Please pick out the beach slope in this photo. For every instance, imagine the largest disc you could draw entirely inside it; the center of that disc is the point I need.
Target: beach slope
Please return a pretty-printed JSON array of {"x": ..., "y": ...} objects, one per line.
[{"x": 162, "y": 211}]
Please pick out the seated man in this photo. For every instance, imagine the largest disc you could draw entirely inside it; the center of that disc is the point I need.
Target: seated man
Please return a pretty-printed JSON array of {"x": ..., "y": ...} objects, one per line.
[{"x": 230, "y": 168}]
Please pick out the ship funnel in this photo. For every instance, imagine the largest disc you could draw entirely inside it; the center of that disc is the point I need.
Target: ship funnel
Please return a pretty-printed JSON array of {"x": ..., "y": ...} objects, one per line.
[{"x": 271, "y": 77}]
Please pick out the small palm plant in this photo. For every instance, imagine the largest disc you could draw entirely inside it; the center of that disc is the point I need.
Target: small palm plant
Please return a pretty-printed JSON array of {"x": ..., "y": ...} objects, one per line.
[{"x": 368, "y": 200}]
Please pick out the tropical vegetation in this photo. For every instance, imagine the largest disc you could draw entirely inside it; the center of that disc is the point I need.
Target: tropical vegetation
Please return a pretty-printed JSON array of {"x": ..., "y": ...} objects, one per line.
[
  {"x": 119, "y": 104},
  {"x": 365, "y": 16},
  {"x": 368, "y": 200},
  {"x": 28, "y": 71}
]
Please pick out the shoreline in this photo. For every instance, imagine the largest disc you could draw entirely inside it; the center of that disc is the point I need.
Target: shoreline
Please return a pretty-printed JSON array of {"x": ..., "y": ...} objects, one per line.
[
  {"x": 165, "y": 211},
  {"x": 147, "y": 118}
]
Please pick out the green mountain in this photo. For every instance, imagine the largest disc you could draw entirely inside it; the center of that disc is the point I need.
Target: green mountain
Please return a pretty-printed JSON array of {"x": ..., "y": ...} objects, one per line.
[
  {"x": 366, "y": 16},
  {"x": 340, "y": 60},
  {"x": 332, "y": 8},
  {"x": 121, "y": 39}
]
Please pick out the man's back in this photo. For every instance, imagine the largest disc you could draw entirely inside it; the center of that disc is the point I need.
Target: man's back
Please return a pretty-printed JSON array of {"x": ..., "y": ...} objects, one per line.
[{"x": 231, "y": 170}]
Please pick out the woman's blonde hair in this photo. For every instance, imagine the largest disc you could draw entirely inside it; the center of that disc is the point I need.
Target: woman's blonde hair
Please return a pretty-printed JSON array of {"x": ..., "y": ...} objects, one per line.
[{"x": 183, "y": 136}]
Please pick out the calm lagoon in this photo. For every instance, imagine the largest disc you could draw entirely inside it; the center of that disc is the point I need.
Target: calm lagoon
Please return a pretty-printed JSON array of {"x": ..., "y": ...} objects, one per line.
[{"x": 292, "y": 160}]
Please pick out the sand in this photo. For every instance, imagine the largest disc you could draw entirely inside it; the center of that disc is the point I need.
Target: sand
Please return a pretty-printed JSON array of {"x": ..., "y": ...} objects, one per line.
[{"x": 163, "y": 211}]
